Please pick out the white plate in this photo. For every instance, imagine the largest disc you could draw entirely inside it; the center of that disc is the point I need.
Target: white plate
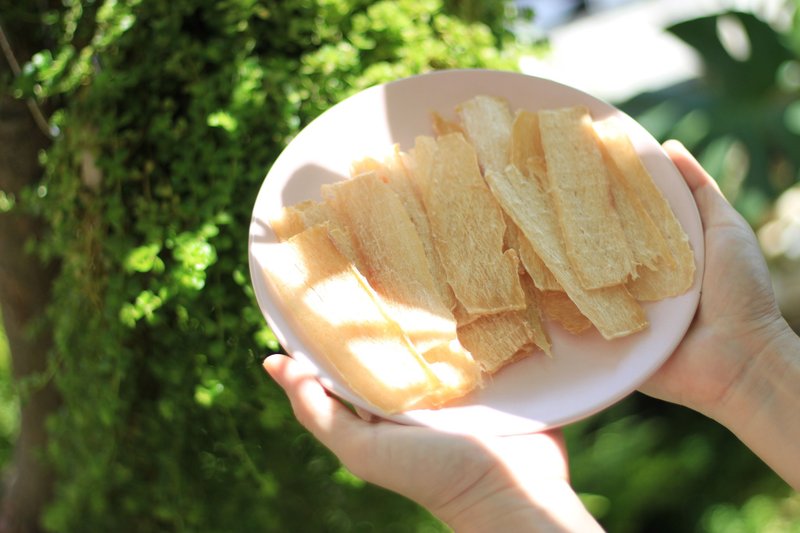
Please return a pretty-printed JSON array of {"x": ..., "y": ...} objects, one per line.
[{"x": 586, "y": 373}]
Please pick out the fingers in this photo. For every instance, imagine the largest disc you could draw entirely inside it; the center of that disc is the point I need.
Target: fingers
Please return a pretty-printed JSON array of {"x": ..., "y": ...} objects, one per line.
[
  {"x": 325, "y": 417},
  {"x": 694, "y": 174},
  {"x": 714, "y": 208},
  {"x": 557, "y": 437},
  {"x": 526, "y": 454},
  {"x": 366, "y": 415}
]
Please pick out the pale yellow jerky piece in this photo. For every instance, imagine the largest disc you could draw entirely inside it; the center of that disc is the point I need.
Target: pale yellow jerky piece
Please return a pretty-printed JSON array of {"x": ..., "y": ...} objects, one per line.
[
  {"x": 487, "y": 121},
  {"x": 289, "y": 221},
  {"x": 299, "y": 217},
  {"x": 557, "y": 306},
  {"x": 394, "y": 172},
  {"x": 526, "y": 145},
  {"x": 529, "y": 261},
  {"x": 511, "y": 239},
  {"x": 420, "y": 164},
  {"x": 369, "y": 351},
  {"x": 442, "y": 126},
  {"x": 666, "y": 281},
  {"x": 399, "y": 180},
  {"x": 468, "y": 230},
  {"x": 495, "y": 340},
  {"x": 293, "y": 219},
  {"x": 612, "y": 310},
  {"x": 645, "y": 241},
  {"x": 522, "y": 353},
  {"x": 534, "y": 266},
  {"x": 535, "y": 315},
  {"x": 525, "y": 151},
  {"x": 391, "y": 257},
  {"x": 578, "y": 181},
  {"x": 455, "y": 368},
  {"x": 462, "y": 316},
  {"x": 368, "y": 165},
  {"x": 344, "y": 242}
]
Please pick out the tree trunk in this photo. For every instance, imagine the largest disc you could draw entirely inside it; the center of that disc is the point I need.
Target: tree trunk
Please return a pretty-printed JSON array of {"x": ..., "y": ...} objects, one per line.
[{"x": 24, "y": 293}]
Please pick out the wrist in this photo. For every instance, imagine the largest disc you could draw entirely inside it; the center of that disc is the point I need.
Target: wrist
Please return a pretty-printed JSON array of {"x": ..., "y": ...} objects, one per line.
[
  {"x": 551, "y": 506},
  {"x": 766, "y": 364},
  {"x": 760, "y": 408}
]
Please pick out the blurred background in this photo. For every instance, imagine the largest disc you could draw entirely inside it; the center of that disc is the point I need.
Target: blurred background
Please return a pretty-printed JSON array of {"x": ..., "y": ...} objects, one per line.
[{"x": 134, "y": 135}]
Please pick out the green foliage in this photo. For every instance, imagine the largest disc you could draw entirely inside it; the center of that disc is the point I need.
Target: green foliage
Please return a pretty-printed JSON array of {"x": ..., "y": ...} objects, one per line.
[
  {"x": 760, "y": 514},
  {"x": 644, "y": 465},
  {"x": 174, "y": 113},
  {"x": 741, "y": 118},
  {"x": 9, "y": 402}
]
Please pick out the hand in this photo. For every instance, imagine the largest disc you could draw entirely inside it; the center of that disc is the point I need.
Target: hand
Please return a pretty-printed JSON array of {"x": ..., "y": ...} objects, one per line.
[
  {"x": 516, "y": 483},
  {"x": 739, "y": 363},
  {"x": 737, "y": 317}
]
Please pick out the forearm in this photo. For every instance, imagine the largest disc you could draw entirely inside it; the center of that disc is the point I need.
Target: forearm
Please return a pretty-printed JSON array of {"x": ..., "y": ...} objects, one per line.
[
  {"x": 547, "y": 508},
  {"x": 763, "y": 408}
]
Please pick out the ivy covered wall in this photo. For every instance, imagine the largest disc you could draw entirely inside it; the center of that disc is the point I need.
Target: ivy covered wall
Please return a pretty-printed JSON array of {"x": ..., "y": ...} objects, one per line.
[{"x": 168, "y": 116}]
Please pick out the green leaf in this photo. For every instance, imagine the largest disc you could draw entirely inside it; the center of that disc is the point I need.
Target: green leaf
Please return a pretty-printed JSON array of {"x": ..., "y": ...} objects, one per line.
[
  {"x": 224, "y": 120},
  {"x": 750, "y": 77},
  {"x": 144, "y": 259}
]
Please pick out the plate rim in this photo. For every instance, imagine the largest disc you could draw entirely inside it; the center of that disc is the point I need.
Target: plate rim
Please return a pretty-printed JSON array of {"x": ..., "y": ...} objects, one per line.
[{"x": 524, "y": 425}]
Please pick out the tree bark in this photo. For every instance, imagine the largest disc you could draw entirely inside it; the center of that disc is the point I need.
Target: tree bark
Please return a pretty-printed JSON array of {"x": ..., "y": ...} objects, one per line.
[{"x": 24, "y": 294}]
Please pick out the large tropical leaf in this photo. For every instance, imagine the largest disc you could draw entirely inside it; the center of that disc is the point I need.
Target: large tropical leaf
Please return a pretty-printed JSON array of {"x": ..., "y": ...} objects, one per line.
[{"x": 736, "y": 117}]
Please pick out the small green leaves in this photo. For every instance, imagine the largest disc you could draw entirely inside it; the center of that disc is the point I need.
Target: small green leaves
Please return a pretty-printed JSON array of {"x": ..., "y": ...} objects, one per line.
[
  {"x": 191, "y": 256},
  {"x": 169, "y": 422},
  {"x": 224, "y": 120},
  {"x": 144, "y": 259},
  {"x": 145, "y": 306},
  {"x": 207, "y": 393},
  {"x": 7, "y": 202},
  {"x": 194, "y": 255}
]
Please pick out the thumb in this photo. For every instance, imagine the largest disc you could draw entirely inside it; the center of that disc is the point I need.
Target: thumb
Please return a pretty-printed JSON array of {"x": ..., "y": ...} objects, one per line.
[
  {"x": 694, "y": 174},
  {"x": 714, "y": 208}
]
